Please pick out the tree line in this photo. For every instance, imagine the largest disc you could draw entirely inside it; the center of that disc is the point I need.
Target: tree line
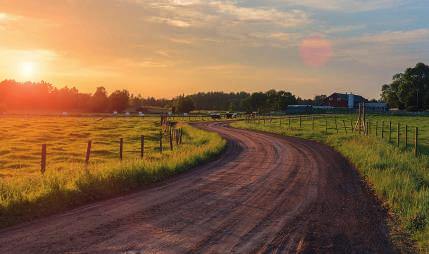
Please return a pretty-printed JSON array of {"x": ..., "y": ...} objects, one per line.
[{"x": 43, "y": 96}]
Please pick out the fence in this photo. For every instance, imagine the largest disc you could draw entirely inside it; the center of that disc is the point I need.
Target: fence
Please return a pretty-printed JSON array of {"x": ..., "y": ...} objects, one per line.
[
  {"x": 395, "y": 133},
  {"x": 173, "y": 135}
]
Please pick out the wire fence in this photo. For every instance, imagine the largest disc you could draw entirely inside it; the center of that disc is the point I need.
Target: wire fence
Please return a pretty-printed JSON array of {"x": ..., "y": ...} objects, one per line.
[{"x": 395, "y": 132}]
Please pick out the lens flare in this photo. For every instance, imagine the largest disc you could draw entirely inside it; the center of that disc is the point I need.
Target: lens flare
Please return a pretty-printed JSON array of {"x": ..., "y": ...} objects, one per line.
[{"x": 315, "y": 51}]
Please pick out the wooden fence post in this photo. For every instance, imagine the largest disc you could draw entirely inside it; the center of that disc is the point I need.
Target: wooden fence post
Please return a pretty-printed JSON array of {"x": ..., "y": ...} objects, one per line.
[
  {"x": 406, "y": 136},
  {"x": 326, "y": 126},
  {"x": 364, "y": 129},
  {"x": 336, "y": 124},
  {"x": 171, "y": 139},
  {"x": 43, "y": 161},
  {"x": 376, "y": 128},
  {"x": 181, "y": 135},
  {"x": 300, "y": 122},
  {"x": 312, "y": 123},
  {"x": 345, "y": 128},
  {"x": 160, "y": 141},
  {"x": 88, "y": 152},
  {"x": 416, "y": 141},
  {"x": 368, "y": 128},
  {"x": 382, "y": 129},
  {"x": 121, "y": 148},
  {"x": 351, "y": 126},
  {"x": 390, "y": 131},
  {"x": 399, "y": 135},
  {"x": 289, "y": 123},
  {"x": 141, "y": 146}
]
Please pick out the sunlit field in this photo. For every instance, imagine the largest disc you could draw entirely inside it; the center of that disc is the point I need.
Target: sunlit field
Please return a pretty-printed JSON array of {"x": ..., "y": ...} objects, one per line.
[
  {"x": 400, "y": 179},
  {"x": 68, "y": 182},
  {"x": 67, "y": 137}
]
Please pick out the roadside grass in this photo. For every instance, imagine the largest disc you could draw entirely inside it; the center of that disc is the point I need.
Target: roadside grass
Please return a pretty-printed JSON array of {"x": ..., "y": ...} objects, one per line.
[
  {"x": 69, "y": 183},
  {"x": 400, "y": 180}
]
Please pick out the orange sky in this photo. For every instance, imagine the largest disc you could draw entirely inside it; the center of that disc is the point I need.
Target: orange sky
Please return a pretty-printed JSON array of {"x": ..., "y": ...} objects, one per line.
[{"x": 168, "y": 47}]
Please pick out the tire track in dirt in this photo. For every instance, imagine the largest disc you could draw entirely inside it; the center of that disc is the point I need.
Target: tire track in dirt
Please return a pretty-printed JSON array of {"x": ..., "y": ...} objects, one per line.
[{"x": 265, "y": 194}]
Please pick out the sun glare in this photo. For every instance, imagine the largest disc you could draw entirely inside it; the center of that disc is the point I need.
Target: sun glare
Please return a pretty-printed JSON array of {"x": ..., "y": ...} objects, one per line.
[{"x": 27, "y": 69}]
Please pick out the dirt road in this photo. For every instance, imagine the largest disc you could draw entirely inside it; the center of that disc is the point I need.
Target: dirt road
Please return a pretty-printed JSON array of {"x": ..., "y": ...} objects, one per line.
[{"x": 266, "y": 193}]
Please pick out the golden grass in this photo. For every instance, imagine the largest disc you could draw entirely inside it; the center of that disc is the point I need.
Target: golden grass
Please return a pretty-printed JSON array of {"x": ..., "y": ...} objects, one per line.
[{"x": 67, "y": 183}]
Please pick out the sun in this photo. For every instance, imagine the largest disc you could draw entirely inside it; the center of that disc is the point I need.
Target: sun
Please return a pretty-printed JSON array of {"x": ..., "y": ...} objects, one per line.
[{"x": 27, "y": 69}]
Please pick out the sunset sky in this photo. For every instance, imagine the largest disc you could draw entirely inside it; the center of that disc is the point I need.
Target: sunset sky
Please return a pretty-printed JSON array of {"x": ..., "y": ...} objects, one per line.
[{"x": 167, "y": 47}]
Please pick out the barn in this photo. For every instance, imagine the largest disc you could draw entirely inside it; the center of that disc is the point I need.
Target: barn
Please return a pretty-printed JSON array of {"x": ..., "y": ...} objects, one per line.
[{"x": 343, "y": 100}]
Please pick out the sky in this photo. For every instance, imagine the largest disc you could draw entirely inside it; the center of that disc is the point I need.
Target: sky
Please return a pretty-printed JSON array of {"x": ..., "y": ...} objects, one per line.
[{"x": 164, "y": 48}]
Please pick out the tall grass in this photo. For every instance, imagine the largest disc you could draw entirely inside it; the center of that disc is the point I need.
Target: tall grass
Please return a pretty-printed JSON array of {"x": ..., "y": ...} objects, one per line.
[
  {"x": 31, "y": 196},
  {"x": 399, "y": 179}
]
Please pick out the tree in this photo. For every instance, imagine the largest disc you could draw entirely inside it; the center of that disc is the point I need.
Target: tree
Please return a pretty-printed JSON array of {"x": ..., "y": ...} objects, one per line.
[
  {"x": 285, "y": 99},
  {"x": 136, "y": 102},
  {"x": 99, "y": 101},
  {"x": 319, "y": 99},
  {"x": 184, "y": 104},
  {"x": 218, "y": 100},
  {"x": 118, "y": 100},
  {"x": 408, "y": 90},
  {"x": 258, "y": 102},
  {"x": 246, "y": 105}
]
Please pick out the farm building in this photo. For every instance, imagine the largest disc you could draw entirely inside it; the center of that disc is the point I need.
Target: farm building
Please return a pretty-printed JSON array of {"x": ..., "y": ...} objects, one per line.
[
  {"x": 376, "y": 107},
  {"x": 341, "y": 100},
  {"x": 299, "y": 109}
]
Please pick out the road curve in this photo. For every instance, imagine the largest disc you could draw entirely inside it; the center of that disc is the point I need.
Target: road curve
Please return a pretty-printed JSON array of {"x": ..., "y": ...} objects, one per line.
[{"x": 265, "y": 194}]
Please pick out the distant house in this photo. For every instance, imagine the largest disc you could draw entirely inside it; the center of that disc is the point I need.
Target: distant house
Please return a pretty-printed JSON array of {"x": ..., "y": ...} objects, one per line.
[
  {"x": 376, "y": 106},
  {"x": 341, "y": 100}
]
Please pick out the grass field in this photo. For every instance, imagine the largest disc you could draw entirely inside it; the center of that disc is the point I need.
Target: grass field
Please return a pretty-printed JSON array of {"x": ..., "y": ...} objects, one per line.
[
  {"x": 26, "y": 194},
  {"x": 399, "y": 178},
  {"x": 66, "y": 139}
]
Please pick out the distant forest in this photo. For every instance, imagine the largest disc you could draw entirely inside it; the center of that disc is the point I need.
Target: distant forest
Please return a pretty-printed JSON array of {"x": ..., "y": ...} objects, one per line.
[{"x": 44, "y": 97}]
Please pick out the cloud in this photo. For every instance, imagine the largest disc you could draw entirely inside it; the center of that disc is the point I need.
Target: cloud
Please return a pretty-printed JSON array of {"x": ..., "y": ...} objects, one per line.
[
  {"x": 5, "y": 17},
  {"x": 388, "y": 49},
  {"x": 342, "y": 29},
  {"x": 291, "y": 18},
  {"x": 181, "y": 41},
  {"x": 346, "y": 5},
  {"x": 171, "y": 22},
  {"x": 184, "y": 13},
  {"x": 185, "y": 2},
  {"x": 396, "y": 37},
  {"x": 280, "y": 36},
  {"x": 36, "y": 54}
]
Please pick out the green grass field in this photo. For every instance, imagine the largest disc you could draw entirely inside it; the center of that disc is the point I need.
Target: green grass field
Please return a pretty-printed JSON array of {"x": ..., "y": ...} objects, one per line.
[
  {"x": 26, "y": 194},
  {"x": 400, "y": 179}
]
